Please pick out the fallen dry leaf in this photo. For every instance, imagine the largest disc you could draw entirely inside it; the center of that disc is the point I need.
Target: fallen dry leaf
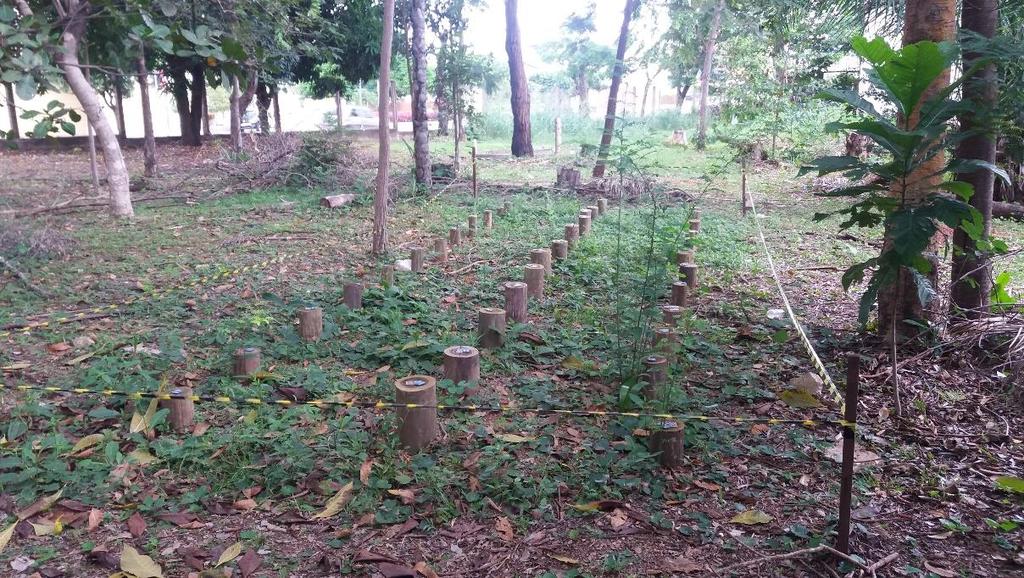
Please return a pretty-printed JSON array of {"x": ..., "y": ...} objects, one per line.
[
  {"x": 364, "y": 472},
  {"x": 136, "y": 525},
  {"x": 407, "y": 496},
  {"x": 336, "y": 503},
  {"x": 229, "y": 554},
  {"x": 707, "y": 486},
  {"x": 425, "y": 570},
  {"x": 618, "y": 519},
  {"x": 139, "y": 565},
  {"x": 751, "y": 517},
  {"x": 504, "y": 529},
  {"x": 563, "y": 559},
  {"x": 939, "y": 571},
  {"x": 245, "y": 504},
  {"x": 95, "y": 519},
  {"x": 249, "y": 563},
  {"x": 680, "y": 564}
]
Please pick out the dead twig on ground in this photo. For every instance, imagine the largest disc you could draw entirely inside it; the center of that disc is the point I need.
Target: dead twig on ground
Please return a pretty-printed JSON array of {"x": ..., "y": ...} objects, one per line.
[
  {"x": 789, "y": 556},
  {"x": 24, "y": 279}
]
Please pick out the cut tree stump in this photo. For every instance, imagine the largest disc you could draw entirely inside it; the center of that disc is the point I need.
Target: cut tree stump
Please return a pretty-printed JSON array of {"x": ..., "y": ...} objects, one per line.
[
  {"x": 668, "y": 441},
  {"x": 311, "y": 323},
  {"x": 679, "y": 293},
  {"x": 181, "y": 411},
  {"x": 655, "y": 374},
  {"x": 534, "y": 277},
  {"x": 335, "y": 201},
  {"x": 416, "y": 257},
  {"x": 688, "y": 273},
  {"x": 515, "y": 301},
  {"x": 353, "y": 295},
  {"x": 440, "y": 249},
  {"x": 491, "y": 327},
  {"x": 417, "y": 427},
  {"x": 685, "y": 256},
  {"x": 246, "y": 362},
  {"x": 542, "y": 257},
  {"x": 602, "y": 206},
  {"x": 454, "y": 236},
  {"x": 559, "y": 249},
  {"x": 584, "y": 222},
  {"x": 471, "y": 227},
  {"x": 595, "y": 212},
  {"x": 568, "y": 178},
  {"x": 666, "y": 342},
  {"x": 462, "y": 364},
  {"x": 572, "y": 234},
  {"x": 695, "y": 225},
  {"x": 488, "y": 220},
  {"x": 671, "y": 314},
  {"x": 387, "y": 275}
]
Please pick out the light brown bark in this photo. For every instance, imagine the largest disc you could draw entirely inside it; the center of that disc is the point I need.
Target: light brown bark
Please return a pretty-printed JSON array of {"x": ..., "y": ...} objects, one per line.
[
  {"x": 149, "y": 136},
  {"x": 382, "y": 195},
  {"x": 420, "y": 124},
  {"x": 613, "y": 91},
  {"x": 705, "y": 75}
]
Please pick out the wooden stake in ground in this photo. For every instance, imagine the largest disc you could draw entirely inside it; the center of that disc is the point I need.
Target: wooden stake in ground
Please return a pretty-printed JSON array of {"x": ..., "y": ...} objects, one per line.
[
  {"x": 246, "y": 362},
  {"x": 686, "y": 256},
  {"x": 387, "y": 275},
  {"x": 584, "y": 222},
  {"x": 559, "y": 249},
  {"x": 849, "y": 452},
  {"x": 182, "y": 411},
  {"x": 488, "y": 219},
  {"x": 515, "y": 301},
  {"x": 417, "y": 427},
  {"x": 311, "y": 323},
  {"x": 666, "y": 342},
  {"x": 655, "y": 374},
  {"x": 491, "y": 327},
  {"x": 667, "y": 440},
  {"x": 534, "y": 276},
  {"x": 353, "y": 295},
  {"x": 558, "y": 134},
  {"x": 595, "y": 212},
  {"x": 679, "y": 293},
  {"x": 572, "y": 234},
  {"x": 695, "y": 225},
  {"x": 671, "y": 314},
  {"x": 462, "y": 364},
  {"x": 474, "y": 173},
  {"x": 542, "y": 257},
  {"x": 688, "y": 273},
  {"x": 416, "y": 256},
  {"x": 454, "y": 236},
  {"x": 508, "y": 207},
  {"x": 602, "y": 206},
  {"x": 440, "y": 249},
  {"x": 471, "y": 229}
]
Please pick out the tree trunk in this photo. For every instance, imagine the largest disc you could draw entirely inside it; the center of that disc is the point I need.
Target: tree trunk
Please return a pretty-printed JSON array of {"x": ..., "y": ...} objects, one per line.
[
  {"x": 264, "y": 98},
  {"x": 613, "y": 92},
  {"x": 393, "y": 93},
  {"x": 67, "y": 59},
  {"x": 705, "y": 74},
  {"x": 898, "y": 303},
  {"x": 972, "y": 271},
  {"x": 277, "y": 110},
  {"x": 382, "y": 194},
  {"x": 583, "y": 93},
  {"x": 420, "y": 124},
  {"x": 337, "y": 109},
  {"x": 119, "y": 113},
  {"x": 643, "y": 102},
  {"x": 12, "y": 113},
  {"x": 236, "y": 116},
  {"x": 681, "y": 92},
  {"x": 149, "y": 146},
  {"x": 245, "y": 96},
  {"x": 522, "y": 141},
  {"x": 188, "y": 87},
  {"x": 200, "y": 105}
]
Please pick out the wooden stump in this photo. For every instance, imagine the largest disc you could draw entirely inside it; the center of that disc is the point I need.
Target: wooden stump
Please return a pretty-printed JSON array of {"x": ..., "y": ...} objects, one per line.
[
  {"x": 584, "y": 222},
  {"x": 688, "y": 273},
  {"x": 602, "y": 206},
  {"x": 246, "y": 362},
  {"x": 462, "y": 364},
  {"x": 685, "y": 256},
  {"x": 417, "y": 427},
  {"x": 416, "y": 256},
  {"x": 567, "y": 178},
  {"x": 671, "y": 314},
  {"x": 695, "y": 225},
  {"x": 655, "y": 374},
  {"x": 454, "y": 236},
  {"x": 353, "y": 295},
  {"x": 488, "y": 220},
  {"x": 542, "y": 257},
  {"x": 668, "y": 441},
  {"x": 572, "y": 234},
  {"x": 181, "y": 411},
  {"x": 679, "y": 293},
  {"x": 534, "y": 276},
  {"x": 666, "y": 342},
  {"x": 440, "y": 249},
  {"x": 695, "y": 214},
  {"x": 559, "y": 249},
  {"x": 311, "y": 323},
  {"x": 471, "y": 227},
  {"x": 387, "y": 275},
  {"x": 507, "y": 207},
  {"x": 515, "y": 301},
  {"x": 595, "y": 212},
  {"x": 335, "y": 201},
  {"x": 491, "y": 327}
]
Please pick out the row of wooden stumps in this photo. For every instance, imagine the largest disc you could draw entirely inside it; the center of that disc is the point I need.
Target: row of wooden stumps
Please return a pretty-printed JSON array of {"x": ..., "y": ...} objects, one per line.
[{"x": 668, "y": 438}]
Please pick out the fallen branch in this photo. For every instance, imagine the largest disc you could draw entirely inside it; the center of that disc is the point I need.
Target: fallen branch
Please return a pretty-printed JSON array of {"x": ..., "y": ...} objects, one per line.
[
  {"x": 1008, "y": 210},
  {"x": 468, "y": 267},
  {"x": 21, "y": 276},
  {"x": 789, "y": 556}
]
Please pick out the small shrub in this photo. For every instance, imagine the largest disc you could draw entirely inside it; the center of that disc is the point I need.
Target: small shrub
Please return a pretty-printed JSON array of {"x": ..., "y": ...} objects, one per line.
[{"x": 315, "y": 164}]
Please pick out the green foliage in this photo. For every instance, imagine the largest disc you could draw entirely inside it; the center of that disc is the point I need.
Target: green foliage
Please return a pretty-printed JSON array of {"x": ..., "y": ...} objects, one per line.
[{"x": 912, "y": 218}]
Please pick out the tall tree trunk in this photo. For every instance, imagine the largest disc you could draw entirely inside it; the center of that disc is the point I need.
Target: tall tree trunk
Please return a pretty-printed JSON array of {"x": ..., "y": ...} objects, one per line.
[
  {"x": 149, "y": 146},
  {"x": 972, "y": 271},
  {"x": 613, "y": 92},
  {"x": 12, "y": 113},
  {"x": 583, "y": 93},
  {"x": 205, "y": 118},
  {"x": 236, "y": 115},
  {"x": 898, "y": 302},
  {"x": 245, "y": 96},
  {"x": 119, "y": 112},
  {"x": 643, "y": 102},
  {"x": 440, "y": 84},
  {"x": 393, "y": 92},
  {"x": 337, "y": 108},
  {"x": 522, "y": 140},
  {"x": 67, "y": 59},
  {"x": 420, "y": 124},
  {"x": 277, "y": 110},
  {"x": 382, "y": 195},
  {"x": 264, "y": 98},
  {"x": 705, "y": 74},
  {"x": 681, "y": 92}
]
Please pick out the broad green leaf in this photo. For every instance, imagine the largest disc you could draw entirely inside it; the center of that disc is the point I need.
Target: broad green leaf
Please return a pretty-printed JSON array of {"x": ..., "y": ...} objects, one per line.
[
  {"x": 141, "y": 457},
  {"x": 876, "y": 51},
  {"x": 1010, "y": 484},
  {"x": 336, "y": 503},
  {"x": 86, "y": 443},
  {"x": 139, "y": 565},
  {"x": 959, "y": 188},
  {"x": 799, "y": 399},
  {"x": 751, "y": 517}
]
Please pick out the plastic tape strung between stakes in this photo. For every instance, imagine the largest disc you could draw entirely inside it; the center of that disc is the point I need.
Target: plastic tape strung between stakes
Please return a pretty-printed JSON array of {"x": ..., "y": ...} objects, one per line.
[
  {"x": 815, "y": 359},
  {"x": 27, "y": 329},
  {"x": 323, "y": 403}
]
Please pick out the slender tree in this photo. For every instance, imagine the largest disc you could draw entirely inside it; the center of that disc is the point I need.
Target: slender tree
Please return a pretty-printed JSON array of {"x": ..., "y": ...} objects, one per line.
[
  {"x": 522, "y": 140},
  {"x": 420, "y": 124},
  {"x": 898, "y": 302},
  {"x": 972, "y": 270},
  {"x": 149, "y": 137},
  {"x": 382, "y": 194},
  {"x": 705, "y": 74},
  {"x": 12, "y": 112},
  {"x": 613, "y": 92}
]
